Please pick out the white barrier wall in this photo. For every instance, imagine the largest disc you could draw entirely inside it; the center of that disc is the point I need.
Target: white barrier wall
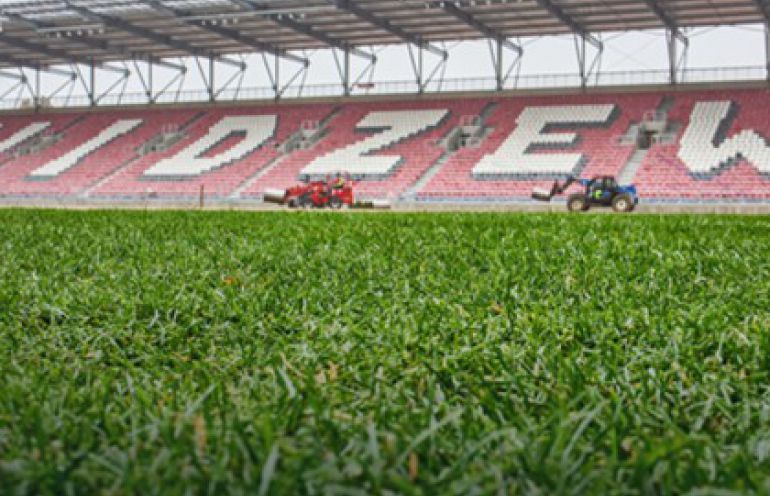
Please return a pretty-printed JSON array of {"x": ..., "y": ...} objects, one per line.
[
  {"x": 189, "y": 162},
  {"x": 391, "y": 127},
  {"x": 515, "y": 157},
  {"x": 698, "y": 152}
]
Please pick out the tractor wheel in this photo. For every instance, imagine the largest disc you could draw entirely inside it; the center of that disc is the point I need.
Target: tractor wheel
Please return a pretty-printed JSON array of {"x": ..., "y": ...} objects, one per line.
[
  {"x": 622, "y": 203},
  {"x": 305, "y": 201},
  {"x": 577, "y": 203},
  {"x": 335, "y": 203}
]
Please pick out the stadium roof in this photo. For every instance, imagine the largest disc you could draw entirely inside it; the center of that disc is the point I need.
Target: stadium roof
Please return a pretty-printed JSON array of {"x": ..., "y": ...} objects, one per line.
[{"x": 49, "y": 32}]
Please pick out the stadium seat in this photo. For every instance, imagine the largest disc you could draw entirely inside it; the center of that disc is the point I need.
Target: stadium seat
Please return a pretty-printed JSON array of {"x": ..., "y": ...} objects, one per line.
[
  {"x": 210, "y": 157},
  {"x": 563, "y": 134},
  {"x": 22, "y": 135},
  {"x": 719, "y": 152},
  {"x": 401, "y": 156}
]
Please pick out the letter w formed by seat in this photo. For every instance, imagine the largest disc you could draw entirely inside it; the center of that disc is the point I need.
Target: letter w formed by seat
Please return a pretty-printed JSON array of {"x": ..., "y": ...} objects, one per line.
[{"x": 700, "y": 150}]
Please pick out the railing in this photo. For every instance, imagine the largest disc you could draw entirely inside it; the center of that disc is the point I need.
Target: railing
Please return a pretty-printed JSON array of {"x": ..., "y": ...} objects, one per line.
[{"x": 535, "y": 81}]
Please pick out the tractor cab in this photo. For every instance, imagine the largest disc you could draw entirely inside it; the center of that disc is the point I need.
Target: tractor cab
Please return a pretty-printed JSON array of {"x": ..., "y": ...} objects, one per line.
[{"x": 601, "y": 190}]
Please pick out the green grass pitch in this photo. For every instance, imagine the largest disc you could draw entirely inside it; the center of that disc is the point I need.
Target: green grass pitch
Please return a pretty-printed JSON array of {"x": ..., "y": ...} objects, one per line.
[{"x": 241, "y": 353}]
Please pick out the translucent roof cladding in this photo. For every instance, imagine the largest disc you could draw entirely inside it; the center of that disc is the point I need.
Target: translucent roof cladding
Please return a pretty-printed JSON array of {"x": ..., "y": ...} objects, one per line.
[{"x": 172, "y": 28}]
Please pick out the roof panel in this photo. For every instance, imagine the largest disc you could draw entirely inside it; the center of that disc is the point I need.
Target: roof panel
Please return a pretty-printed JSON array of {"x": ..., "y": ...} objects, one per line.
[{"x": 285, "y": 24}]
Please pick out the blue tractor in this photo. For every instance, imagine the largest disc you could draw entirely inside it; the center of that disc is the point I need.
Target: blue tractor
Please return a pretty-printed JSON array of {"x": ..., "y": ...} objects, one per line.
[{"x": 601, "y": 191}]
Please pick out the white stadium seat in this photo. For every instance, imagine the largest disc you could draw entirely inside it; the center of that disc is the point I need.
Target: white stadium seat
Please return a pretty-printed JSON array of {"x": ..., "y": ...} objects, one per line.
[
  {"x": 189, "y": 162},
  {"x": 514, "y": 157},
  {"x": 391, "y": 127},
  {"x": 70, "y": 159},
  {"x": 698, "y": 152},
  {"x": 23, "y": 135}
]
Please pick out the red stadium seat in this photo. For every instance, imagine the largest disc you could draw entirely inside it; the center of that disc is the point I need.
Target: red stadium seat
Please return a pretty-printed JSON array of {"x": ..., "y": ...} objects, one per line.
[{"x": 76, "y": 164}]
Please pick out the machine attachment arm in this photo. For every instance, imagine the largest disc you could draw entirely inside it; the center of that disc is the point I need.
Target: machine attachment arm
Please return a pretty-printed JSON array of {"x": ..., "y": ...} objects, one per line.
[{"x": 561, "y": 188}]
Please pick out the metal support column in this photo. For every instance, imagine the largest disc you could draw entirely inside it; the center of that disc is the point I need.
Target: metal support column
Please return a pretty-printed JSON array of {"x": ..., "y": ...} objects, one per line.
[
  {"x": 346, "y": 72},
  {"x": 586, "y": 71},
  {"x": 150, "y": 89},
  {"x": 767, "y": 50},
  {"x": 277, "y": 77},
  {"x": 212, "y": 97},
  {"x": 499, "y": 65},
  {"x": 677, "y": 62},
  {"x": 497, "y": 49},
  {"x": 92, "y": 84},
  {"x": 37, "y": 89},
  {"x": 420, "y": 85}
]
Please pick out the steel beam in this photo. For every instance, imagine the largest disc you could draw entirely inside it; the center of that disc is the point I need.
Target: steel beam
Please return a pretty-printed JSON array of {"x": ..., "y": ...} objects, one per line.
[
  {"x": 227, "y": 33},
  {"x": 5, "y": 59},
  {"x": 673, "y": 34},
  {"x": 147, "y": 34},
  {"x": 304, "y": 29},
  {"x": 568, "y": 21},
  {"x": 764, "y": 8},
  {"x": 15, "y": 77},
  {"x": 95, "y": 43},
  {"x": 479, "y": 26},
  {"x": 51, "y": 52},
  {"x": 660, "y": 12},
  {"x": 585, "y": 70},
  {"x": 385, "y": 25},
  {"x": 677, "y": 62},
  {"x": 767, "y": 51}
]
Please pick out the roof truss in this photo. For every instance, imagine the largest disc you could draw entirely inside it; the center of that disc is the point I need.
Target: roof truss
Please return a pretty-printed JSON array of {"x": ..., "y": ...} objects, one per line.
[
  {"x": 386, "y": 25},
  {"x": 305, "y": 29},
  {"x": 226, "y": 32},
  {"x": 102, "y": 45},
  {"x": 148, "y": 34},
  {"x": 764, "y": 8},
  {"x": 479, "y": 26},
  {"x": 150, "y": 31},
  {"x": 666, "y": 19},
  {"x": 51, "y": 52},
  {"x": 559, "y": 13}
]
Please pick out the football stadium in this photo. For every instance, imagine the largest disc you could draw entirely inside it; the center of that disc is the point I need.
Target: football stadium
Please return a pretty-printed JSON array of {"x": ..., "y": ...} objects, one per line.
[{"x": 280, "y": 247}]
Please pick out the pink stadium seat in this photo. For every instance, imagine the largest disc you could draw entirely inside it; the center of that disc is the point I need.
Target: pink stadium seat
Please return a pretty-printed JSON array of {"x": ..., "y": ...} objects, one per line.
[
  {"x": 418, "y": 153},
  {"x": 116, "y": 169},
  {"x": 218, "y": 183},
  {"x": 663, "y": 175},
  {"x": 456, "y": 180},
  {"x": 15, "y": 177}
]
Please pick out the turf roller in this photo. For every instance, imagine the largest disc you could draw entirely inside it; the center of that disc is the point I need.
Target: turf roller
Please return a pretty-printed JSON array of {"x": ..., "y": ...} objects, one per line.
[
  {"x": 542, "y": 194},
  {"x": 274, "y": 196}
]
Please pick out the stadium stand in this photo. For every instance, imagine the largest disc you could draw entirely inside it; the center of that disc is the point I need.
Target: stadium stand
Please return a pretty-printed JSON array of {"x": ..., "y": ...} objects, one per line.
[
  {"x": 63, "y": 163},
  {"x": 409, "y": 157},
  {"x": 721, "y": 151},
  {"x": 230, "y": 160},
  {"x": 21, "y": 135},
  {"x": 692, "y": 146},
  {"x": 499, "y": 168}
]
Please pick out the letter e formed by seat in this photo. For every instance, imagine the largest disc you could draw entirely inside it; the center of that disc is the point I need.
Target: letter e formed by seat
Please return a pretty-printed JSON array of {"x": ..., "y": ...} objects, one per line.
[{"x": 516, "y": 156}]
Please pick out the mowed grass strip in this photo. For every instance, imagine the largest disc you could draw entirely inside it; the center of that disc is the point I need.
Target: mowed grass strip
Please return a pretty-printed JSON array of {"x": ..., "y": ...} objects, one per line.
[{"x": 241, "y": 353}]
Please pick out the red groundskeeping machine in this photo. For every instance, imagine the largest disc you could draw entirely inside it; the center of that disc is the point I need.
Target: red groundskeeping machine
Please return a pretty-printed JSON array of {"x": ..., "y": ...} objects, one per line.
[
  {"x": 334, "y": 193},
  {"x": 320, "y": 194}
]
